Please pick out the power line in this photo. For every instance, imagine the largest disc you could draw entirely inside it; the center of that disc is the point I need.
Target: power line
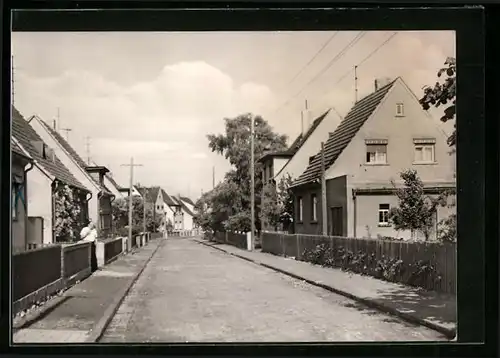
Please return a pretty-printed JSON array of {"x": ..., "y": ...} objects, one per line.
[
  {"x": 353, "y": 42},
  {"x": 314, "y": 57}
]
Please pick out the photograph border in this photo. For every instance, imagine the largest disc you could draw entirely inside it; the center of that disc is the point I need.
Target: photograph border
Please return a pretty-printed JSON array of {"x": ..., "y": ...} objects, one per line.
[{"x": 472, "y": 141}]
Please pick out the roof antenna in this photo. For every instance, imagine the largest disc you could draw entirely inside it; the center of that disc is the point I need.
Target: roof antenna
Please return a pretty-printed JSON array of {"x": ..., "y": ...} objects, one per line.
[{"x": 355, "y": 84}]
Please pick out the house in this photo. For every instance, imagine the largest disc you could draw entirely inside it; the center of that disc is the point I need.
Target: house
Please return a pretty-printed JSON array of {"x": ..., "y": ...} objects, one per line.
[
  {"x": 112, "y": 185},
  {"x": 22, "y": 163},
  {"x": 384, "y": 134},
  {"x": 125, "y": 191},
  {"x": 187, "y": 208},
  {"x": 42, "y": 183},
  {"x": 294, "y": 161},
  {"x": 92, "y": 176}
]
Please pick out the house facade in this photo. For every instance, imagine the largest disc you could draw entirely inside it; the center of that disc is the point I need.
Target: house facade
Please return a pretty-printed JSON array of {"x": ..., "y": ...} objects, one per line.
[
  {"x": 43, "y": 181},
  {"x": 187, "y": 208},
  {"x": 22, "y": 163},
  {"x": 92, "y": 176},
  {"x": 384, "y": 134}
]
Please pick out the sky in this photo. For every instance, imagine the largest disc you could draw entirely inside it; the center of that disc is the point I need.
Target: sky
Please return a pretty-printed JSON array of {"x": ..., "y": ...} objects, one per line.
[{"x": 155, "y": 96}]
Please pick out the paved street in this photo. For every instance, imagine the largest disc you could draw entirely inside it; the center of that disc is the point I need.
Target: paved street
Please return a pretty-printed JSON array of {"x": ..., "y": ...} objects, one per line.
[{"x": 193, "y": 293}]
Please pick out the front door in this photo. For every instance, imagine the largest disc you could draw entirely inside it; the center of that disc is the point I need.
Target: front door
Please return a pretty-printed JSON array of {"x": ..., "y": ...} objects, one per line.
[{"x": 336, "y": 227}]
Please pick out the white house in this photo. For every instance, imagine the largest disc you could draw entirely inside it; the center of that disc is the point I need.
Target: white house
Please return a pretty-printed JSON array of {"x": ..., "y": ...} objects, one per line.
[
  {"x": 48, "y": 170},
  {"x": 91, "y": 176}
]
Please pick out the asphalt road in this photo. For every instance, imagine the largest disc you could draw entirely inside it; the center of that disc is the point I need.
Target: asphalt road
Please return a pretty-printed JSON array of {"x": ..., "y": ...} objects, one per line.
[{"x": 193, "y": 293}]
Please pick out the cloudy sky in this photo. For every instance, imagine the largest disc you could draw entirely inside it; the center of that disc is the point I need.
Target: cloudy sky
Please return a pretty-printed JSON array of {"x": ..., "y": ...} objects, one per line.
[{"x": 155, "y": 96}]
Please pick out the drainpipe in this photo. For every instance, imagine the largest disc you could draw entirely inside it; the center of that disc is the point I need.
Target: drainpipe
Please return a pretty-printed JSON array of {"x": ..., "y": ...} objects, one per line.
[
  {"x": 355, "y": 211},
  {"x": 99, "y": 197},
  {"x": 111, "y": 199},
  {"x": 53, "y": 200},
  {"x": 87, "y": 199}
]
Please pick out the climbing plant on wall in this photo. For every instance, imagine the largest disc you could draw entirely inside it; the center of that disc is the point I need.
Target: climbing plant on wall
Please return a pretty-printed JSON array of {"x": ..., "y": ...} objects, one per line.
[{"x": 67, "y": 208}]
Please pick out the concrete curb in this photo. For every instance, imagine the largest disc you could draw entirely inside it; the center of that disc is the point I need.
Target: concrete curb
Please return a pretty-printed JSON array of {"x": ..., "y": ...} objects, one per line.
[
  {"x": 98, "y": 330},
  {"x": 36, "y": 315},
  {"x": 449, "y": 333}
]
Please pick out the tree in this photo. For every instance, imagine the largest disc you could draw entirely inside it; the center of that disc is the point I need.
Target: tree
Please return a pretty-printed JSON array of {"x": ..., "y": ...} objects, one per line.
[
  {"x": 416, "y": 211},
  {"x": 67, "y": 209},
  {"x": 120, "y": 216},
  {"x": 277, "y": 203},
  {"x": 444, "y": 93},
  {"x": 234, "y": 145}
]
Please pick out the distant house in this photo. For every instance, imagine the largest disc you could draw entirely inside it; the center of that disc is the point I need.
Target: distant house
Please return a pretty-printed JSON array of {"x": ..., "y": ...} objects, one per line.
[
  {"x": 22, "y": 163},
  {"x": 92, "y": 176},
  {"x": 384, "y": 134},
  {"x": 294, "y": 161},
  {"x": 125, "y": 191},
  {"x": 42, "y": 181},
  {"x": 187, "y": 208}
]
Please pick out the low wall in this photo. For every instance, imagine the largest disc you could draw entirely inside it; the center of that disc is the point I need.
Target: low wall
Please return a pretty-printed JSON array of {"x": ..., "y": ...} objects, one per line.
[
  {"x": 76, "y": 261},
  {"x": 156, "y": 235},
  {"x": 108, "y": 250},
  {"x": 431, "y": 266},
  {"x": 237, "y": 239},
  {"x": 35, "y": 273}
]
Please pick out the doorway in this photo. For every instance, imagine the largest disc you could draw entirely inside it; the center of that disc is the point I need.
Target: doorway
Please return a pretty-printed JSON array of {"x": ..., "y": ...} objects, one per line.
[{"x": 337, "y": 221}]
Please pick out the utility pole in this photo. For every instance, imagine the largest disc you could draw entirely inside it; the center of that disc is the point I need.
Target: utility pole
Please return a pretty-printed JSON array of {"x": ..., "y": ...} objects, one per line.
[
  {"x": 252, "y": 184},
  {"x": 130, "y": 201},
  {"x": 355, "y": 84},
  {"x": 323, "y": 191},
  {"x": 67, "y": 130},
  {"x": 145, "y": 193},
  {"x": 87, "y": 145}
]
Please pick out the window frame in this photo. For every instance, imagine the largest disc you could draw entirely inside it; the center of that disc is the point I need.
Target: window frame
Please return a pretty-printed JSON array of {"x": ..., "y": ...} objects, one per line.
[
  {"x": 422, "y": 146},
  {"x": 300, "y": 209},
  {"x": 376, "y": 162},
  {"x": 386, "y": 212},
  {"x": 314, "y": 207},
  {"x": 400, "y": 105}
]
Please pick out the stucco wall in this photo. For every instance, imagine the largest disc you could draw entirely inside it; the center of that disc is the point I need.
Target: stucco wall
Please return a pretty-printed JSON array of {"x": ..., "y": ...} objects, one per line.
[
  {"x": 298, "y": 163},
  {"x": 79, "y": 173},
  {"x": 187, "y": 221},
  {"x": 367, "y": 217},
  {"x": 40, "y": 200}
]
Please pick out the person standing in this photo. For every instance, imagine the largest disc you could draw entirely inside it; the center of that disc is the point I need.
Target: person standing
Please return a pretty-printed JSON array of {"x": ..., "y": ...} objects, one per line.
[{"x": 89, "y": 234}]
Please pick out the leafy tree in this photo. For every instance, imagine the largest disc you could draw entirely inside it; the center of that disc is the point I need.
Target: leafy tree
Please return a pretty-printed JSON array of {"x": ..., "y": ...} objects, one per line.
[
  {"x": 120, "y": 216},
  {"x": 277, "y": 203},
  {"x": 444, "y": 93},
  {"x": 67, "y": 210},
  {"x": 416, "y": 211},
  {"x": 233, "y": 197}
]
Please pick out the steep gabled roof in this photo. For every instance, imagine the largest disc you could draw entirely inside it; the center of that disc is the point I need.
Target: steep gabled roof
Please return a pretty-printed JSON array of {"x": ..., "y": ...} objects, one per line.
[
  {"x": 187, "y": 200},
  {"x": 112, "y": 181},
  {"x": 169, "y": 200},
  {"x": 17, "y": 150},
  {"x": 73, "y": 154},
  {"x": 25, "y": 134},
  {"x": 301, "y": 139},
  {"x": 185, "y": 207},
  {"x": 149, "y": 193},
  {"x": 344, "y": 133}
]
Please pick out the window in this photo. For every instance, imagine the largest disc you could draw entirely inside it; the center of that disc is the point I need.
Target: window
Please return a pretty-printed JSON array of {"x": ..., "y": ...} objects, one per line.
[
  {"x": 299, "y": 214},
  {"x": 383, "y": 215},
  {"x": 15, "y": 212},
  {"x": 314, "y": 205},
  {"x": 424, "y": 153},
  {"x": 376, "y": 153},
  {"x": 400, "y": 110},
  {"x": 158, "y": 207}
]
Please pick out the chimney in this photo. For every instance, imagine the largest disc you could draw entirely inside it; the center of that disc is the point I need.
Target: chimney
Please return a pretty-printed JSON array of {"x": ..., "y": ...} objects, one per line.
[
  {"x": 54, "y": 124},
  {"x": 381, "y": 82}
]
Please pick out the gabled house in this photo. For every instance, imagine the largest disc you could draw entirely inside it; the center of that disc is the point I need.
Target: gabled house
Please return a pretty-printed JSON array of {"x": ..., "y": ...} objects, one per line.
[
  {"x": 92, "y": 176},
  {"x": 384, "y": 134},
  {"x": 173, "y": 211},
  {"x": 187, "y": 212},
  {"x": 22, "y": 163},
  {"x": 125, "y": 191},
  {"x": 42, "y": 182}
]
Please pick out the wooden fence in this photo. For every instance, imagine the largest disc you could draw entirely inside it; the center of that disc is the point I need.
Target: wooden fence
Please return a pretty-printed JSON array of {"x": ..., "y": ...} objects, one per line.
[{"x": 428, "y": 265}]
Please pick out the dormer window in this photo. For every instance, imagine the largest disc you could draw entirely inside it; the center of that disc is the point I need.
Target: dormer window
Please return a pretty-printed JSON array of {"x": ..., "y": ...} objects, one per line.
[{"x": 400, "y": 110}]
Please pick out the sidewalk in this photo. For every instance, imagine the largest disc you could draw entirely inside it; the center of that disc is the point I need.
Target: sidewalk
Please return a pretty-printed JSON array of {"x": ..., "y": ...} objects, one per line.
[
  {"x": 431, "y": 309},
  {"x": 82, "y": 313}
]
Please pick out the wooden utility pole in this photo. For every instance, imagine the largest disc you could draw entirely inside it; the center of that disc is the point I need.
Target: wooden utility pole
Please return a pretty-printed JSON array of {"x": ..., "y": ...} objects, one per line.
[
  {"x": 323, "y": 191},
  {"x": 252, "y": 184},
  {"x": 145, "y": 194},
  {"x": 355, "y": 84},
  {"x": 130, "y": 201}
]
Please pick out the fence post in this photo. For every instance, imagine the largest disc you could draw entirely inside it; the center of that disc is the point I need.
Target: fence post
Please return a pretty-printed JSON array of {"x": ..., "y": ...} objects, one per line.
[
  {"x": 297, "y": 240},
  {"x": 62, "y": 261},
  {"x": 249, "y": 241},
  {"x": 225, "y": 237}
]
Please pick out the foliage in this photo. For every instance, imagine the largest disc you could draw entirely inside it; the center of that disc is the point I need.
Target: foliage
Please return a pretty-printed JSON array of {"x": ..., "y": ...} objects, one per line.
[
  {"x": 443, "y": 94},
  {"x": 228, "y": 205},
  {"x": 67, "y": 210},
  {"x": 277, "y": 203},
  {"x": 393, "y": 269},
  {"x": 447, "y": 229},
  {"x": 120, "y": 216},
  {"x": 416, "y": 211}
]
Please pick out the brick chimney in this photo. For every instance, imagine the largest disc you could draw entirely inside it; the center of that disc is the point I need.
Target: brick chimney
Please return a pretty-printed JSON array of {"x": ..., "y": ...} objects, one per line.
[{"x": 381, "y": 82}]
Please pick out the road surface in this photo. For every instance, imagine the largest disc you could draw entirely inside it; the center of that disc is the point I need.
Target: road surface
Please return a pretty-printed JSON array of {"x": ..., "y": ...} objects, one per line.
[{"x": 193, "y": 293}]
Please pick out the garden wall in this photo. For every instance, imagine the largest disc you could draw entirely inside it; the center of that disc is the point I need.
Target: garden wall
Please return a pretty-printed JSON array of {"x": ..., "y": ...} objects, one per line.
[{"x": 428, "y": 265}]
